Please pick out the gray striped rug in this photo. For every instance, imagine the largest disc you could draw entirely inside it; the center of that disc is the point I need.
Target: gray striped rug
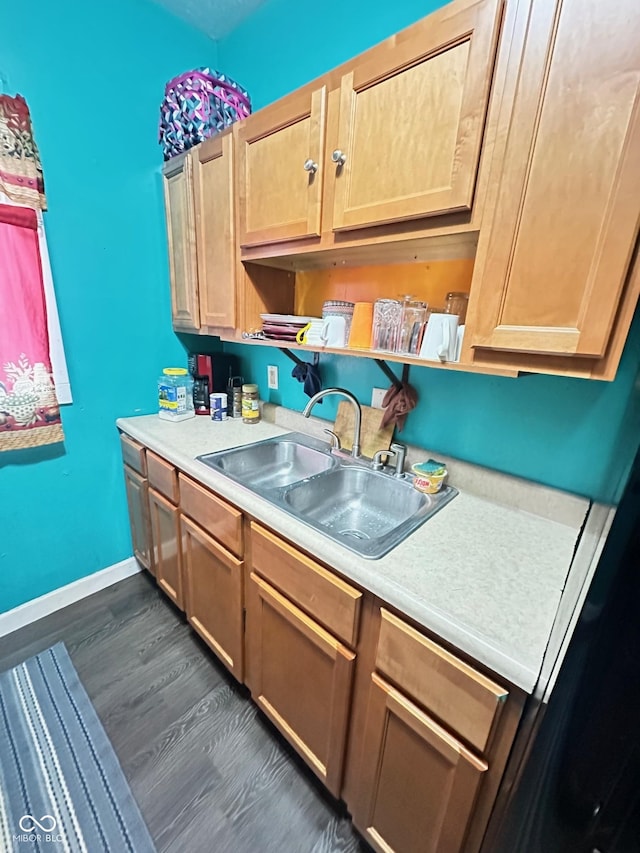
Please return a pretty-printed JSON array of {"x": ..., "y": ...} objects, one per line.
[{"x": 62, "y": 789}]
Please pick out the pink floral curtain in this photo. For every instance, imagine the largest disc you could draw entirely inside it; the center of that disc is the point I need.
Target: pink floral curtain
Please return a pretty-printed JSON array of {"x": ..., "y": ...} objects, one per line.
[
  {"x": 21, "y": 177},
  {"x": 29, "y": 412}
]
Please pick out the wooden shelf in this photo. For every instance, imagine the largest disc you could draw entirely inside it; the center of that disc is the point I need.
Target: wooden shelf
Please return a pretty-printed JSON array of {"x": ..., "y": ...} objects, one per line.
[
  {"x": 380, "y": 248},
  {"x": 385, "y": 356}
]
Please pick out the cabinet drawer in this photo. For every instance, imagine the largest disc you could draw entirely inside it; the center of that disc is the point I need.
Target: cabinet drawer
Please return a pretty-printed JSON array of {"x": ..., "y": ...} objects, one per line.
[
  {"x": 133, "y": 454},
  {"x": 163, "y": 477},
  {"x": 216, "y": 516},
  {"x": 466, "y": 701},
  {"x": 330, "y": 600}
]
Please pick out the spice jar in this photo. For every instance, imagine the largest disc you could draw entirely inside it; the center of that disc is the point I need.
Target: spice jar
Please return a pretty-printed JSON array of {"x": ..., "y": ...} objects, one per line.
[{"x": 250, "y": 404}]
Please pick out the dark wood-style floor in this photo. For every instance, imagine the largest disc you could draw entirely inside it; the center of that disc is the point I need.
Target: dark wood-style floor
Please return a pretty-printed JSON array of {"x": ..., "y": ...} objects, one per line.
[{"x": 209, "y": 773}]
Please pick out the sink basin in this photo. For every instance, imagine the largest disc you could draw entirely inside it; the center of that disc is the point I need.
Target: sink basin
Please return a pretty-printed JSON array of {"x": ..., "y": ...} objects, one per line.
[
  {"x": 270, "y": 464},
  {"x": 356, "y": 502},
  {"x": 367, "y": 511},
  {"x": 364, "y": 510}
]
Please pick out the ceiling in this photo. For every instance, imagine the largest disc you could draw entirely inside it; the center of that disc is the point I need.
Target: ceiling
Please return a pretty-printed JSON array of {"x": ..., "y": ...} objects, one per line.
[{"x": 216, "y": 18}]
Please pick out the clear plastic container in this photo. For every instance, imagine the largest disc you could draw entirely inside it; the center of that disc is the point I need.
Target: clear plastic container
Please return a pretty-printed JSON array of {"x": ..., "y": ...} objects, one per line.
[{"x": 175, "y": 394}]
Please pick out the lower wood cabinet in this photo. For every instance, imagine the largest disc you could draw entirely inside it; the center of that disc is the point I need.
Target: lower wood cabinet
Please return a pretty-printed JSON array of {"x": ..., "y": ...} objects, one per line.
[
  {"x": 138, "y": 500},
  {"x": 213, "y": 595},
  {"x": 165, "y": 531},
  {"x": 436, "y": 735},
  {"x": 136, "y": 481},
  {"x": 414, "y": 738},
  {"x": 302, "y": 679},
  {"x": 424, "y": 781}
]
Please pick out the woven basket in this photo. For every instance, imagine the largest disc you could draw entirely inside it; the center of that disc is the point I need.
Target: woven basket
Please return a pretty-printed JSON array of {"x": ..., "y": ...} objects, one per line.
[{"x": 36, "y": 437}]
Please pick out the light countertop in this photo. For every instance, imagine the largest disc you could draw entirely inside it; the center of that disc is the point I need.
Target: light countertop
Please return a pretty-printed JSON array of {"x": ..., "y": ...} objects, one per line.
[{"x": 484, "y": 576}]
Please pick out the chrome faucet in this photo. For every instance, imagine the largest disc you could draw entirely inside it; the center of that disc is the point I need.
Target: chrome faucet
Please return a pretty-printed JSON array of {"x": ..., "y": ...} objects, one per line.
[
  {"x": 355, "y": 449},
  {"x": 400, "y": 452}
]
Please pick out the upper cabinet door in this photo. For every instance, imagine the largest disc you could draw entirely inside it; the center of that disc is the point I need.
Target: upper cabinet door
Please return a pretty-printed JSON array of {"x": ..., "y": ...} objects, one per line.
[
  {"x": 181, "y": 233},
  {"x": 553, "y": 261},
  {"x": 412, "y": 118},
  {"x": 214, "y": 205},
  {"x": 280, "y": 170}
]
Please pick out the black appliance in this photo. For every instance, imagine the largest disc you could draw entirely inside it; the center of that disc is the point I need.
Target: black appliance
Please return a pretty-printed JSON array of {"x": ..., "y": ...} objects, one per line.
[
  {"x": 211, "y": 373},
  {"x": 577, "y": 789}
]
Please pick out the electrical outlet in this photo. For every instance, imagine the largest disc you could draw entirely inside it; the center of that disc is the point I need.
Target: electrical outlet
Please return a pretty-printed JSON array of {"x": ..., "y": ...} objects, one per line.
[
  {"x": 272, "y": 377},
  {"x": 377, "y": 396}
]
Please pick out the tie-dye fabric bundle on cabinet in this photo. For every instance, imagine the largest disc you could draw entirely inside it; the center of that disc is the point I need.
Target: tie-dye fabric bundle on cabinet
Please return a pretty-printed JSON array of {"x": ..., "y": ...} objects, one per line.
[{"x": 196, "y": 105}]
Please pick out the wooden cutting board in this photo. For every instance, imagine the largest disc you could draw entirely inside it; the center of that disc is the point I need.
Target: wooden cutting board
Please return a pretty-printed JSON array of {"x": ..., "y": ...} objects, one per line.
[{"x": 372, "y": 437}]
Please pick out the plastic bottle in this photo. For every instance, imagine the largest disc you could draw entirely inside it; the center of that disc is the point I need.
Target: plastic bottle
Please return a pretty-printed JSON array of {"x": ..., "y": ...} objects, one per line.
[{"x": 175, "y": 394}]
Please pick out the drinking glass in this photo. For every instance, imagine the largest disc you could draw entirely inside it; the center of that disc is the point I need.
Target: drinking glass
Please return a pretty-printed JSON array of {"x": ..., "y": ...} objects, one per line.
[
  {"x": 414, "y": 315},
  {"x": 387, "y": 317},
  {"x": 457, "y": 303}
]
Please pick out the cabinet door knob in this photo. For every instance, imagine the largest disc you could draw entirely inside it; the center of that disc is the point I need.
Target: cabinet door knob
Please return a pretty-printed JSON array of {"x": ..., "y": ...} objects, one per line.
[
  {"x": 339, "y": 157},
  {"x": 310, "y": 166}
]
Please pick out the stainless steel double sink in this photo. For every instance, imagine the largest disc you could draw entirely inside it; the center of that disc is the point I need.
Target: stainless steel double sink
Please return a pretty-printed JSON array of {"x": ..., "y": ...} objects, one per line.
[{"x": 367, "y": 511}]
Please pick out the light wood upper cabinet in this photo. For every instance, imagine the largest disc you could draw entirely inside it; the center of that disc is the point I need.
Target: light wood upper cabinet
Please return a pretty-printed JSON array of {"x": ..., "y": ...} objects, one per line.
[
  {"x": 181, "y": 234},
  {"x": 412, "y": 118},
  {"x": 280, "y": 169},
  {"x": 214, "y": 197},
  {"x": 553, "y": 260}
]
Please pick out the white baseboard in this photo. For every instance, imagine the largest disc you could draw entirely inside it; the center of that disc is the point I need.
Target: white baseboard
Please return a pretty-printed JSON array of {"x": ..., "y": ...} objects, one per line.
[{"x": 27, "y": 613}]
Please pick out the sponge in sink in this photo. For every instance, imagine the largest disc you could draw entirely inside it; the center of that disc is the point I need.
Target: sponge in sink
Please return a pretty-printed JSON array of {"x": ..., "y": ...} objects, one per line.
[{"x": 430, "y": 468}]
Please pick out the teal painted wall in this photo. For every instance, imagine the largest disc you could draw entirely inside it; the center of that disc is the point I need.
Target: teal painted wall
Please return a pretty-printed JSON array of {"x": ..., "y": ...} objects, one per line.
[
  {"x": 573, "y": 434},
  {"x": 93, "y": 76},
  {"x": 283, "y": 44}
]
